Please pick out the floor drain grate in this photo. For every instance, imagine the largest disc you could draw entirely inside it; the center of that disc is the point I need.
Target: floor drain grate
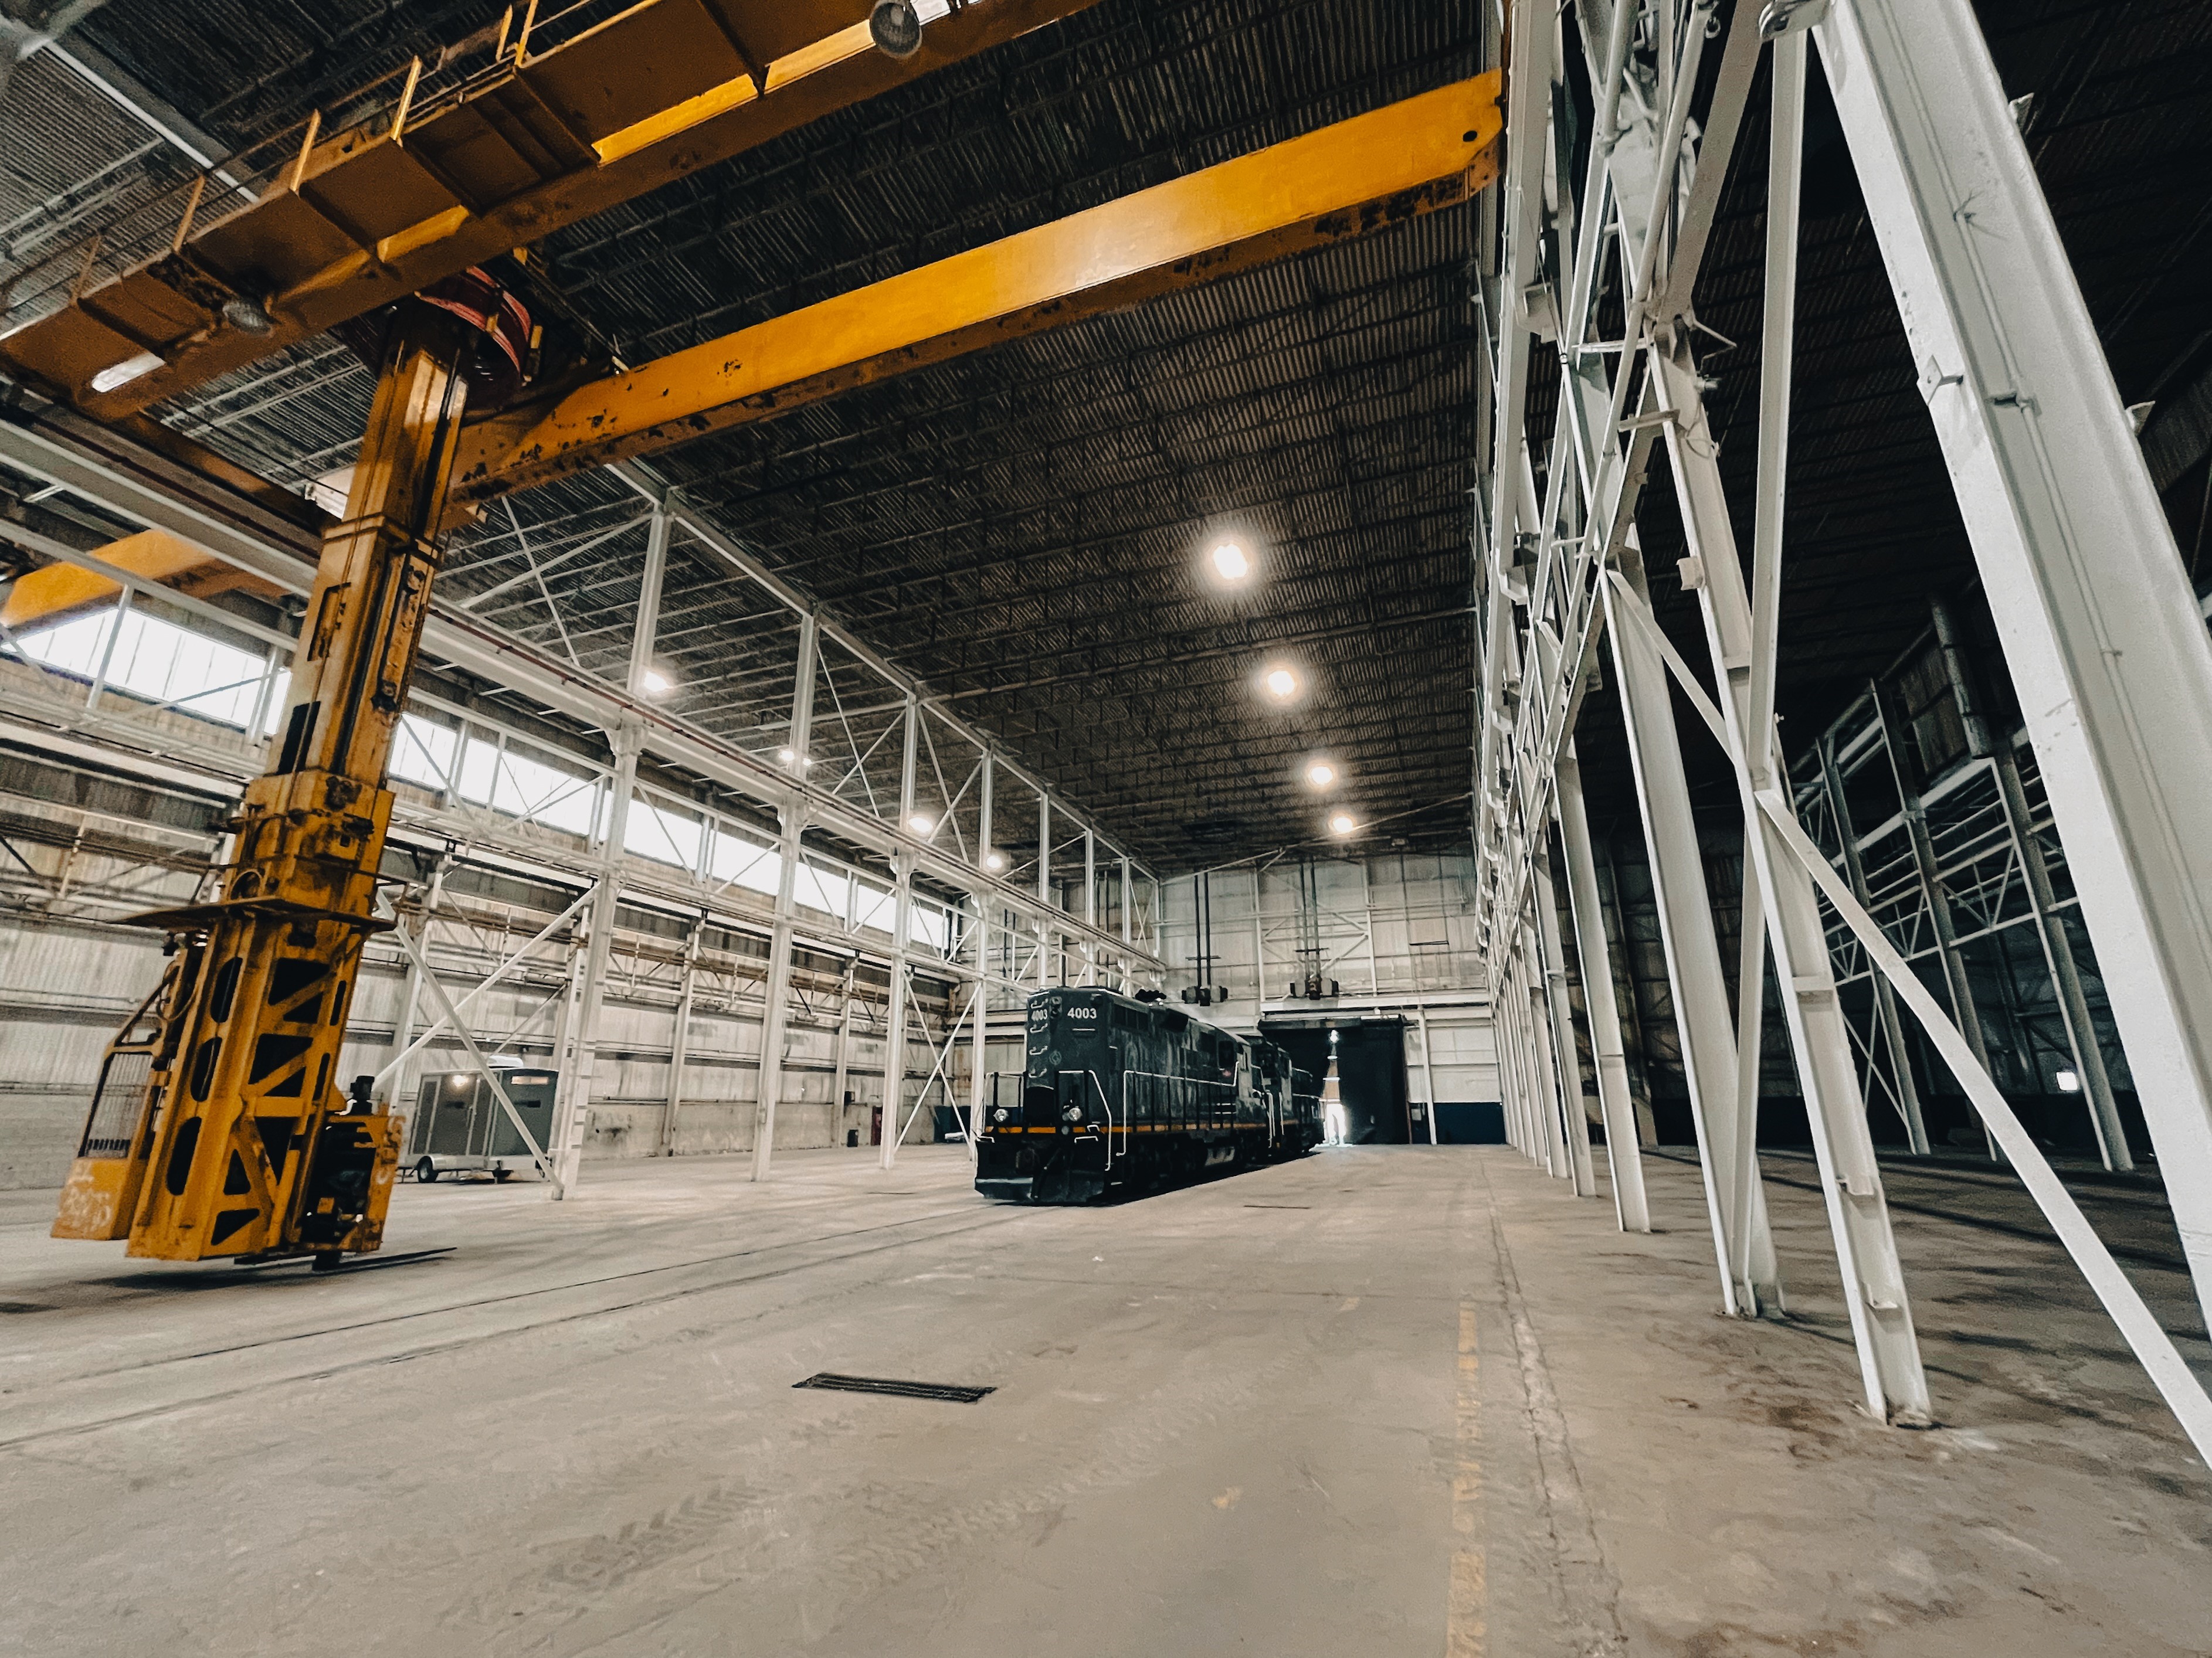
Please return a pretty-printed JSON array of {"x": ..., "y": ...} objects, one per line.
[{"x": 876, "y": 1384}]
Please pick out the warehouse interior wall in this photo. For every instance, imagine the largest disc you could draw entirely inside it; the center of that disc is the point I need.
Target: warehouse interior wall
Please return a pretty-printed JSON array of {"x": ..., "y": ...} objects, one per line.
[{"x": 1388, "y": 936}]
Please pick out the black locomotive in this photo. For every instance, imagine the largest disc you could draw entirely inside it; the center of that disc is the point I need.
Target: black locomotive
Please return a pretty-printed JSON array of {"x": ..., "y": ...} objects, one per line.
[{"x": 1120, "y": 1094}]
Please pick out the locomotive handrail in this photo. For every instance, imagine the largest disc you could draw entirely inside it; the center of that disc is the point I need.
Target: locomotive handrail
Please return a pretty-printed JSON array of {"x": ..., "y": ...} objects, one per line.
[{"x": 1108, "y": 1106}]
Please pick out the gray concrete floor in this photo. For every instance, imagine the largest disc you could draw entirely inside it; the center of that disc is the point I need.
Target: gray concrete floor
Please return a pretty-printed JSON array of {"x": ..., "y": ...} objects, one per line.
[{"x": 1379, "y": 1402}]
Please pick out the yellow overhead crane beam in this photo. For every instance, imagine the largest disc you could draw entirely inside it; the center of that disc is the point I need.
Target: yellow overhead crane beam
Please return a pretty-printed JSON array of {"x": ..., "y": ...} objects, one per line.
[
  {"x": 436, "y": 180},
  {"x": 1342, "y": 182}
]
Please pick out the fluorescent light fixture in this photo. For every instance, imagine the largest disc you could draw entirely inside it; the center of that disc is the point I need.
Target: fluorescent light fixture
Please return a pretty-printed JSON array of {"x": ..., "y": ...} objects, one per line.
[
  {"x": 2069, "y": 1083},
  {"x": 122, "y": 373},
  {"x": 1280, "y": 682},
  {"x": 1231, "y": 561},
  {"x": 1320, "y": 774},
  {"x": 656, "y": 681},
  {"x": 921, "y": 823},
  {"x": 1342, "y": 824}
]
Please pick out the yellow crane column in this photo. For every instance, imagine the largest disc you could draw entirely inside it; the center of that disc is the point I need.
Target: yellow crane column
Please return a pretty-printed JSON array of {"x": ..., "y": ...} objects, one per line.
[{"x": 218, "y": 1127}]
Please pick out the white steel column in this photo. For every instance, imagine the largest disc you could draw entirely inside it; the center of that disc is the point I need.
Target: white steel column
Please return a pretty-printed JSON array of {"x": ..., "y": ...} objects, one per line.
[
  {"x": 580, "y": 1062},
  {"x": 1089, "y": 905},
  {"x": 679, "y": 1052},
  {"x": 775, "y": 990},
  {"x": 411, "y": 992},
  {"x": 980, "y": 1012},
  {"x": 1528, "y": 96},
  {"x": 1561, "y": 1009},
  {"x": 902, "y": 919},
  {"x": 1692, "y": 950},
  {"x": 1740, "y": 634},
  {"x": 1624, "y": 1155},
  {"x": 844, "y": 1050},
  {"x": 1044, "y": 889},
  {"x": 775, "y": 1015},
  {"x": 2106, "y": 647},
  {"x": 983, "y": 902},
  {"x": 1428, "y": 1069}
]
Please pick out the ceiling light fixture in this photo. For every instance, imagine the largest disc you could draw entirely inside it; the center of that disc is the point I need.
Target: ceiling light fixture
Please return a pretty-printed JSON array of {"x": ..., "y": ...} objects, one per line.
[
  {"x": 1231, "y": 561},
  {"x": 1341, "y": 824},
  {"x": 1321, "y": 775},
  {"x": 247, "y": 316},
  {"x": 122, "y": 373},
  {"x": 994, "y": 861},
  {"x": 895, "y": 28},
  {"x": 655, "y": 682},
  {"x": 1280, "y": 682},
  {"x": 921, "y": 823}
]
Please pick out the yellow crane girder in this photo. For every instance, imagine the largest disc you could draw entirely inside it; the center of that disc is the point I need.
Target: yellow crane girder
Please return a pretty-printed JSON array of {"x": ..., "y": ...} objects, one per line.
[
  {"x": 1344, "y": 181},
  {"x": 423, "y": 188}
]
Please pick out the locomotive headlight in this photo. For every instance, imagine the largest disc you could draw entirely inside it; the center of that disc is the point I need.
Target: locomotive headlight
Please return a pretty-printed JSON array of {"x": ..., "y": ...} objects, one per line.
[{"x": 1074, "y": 1114}]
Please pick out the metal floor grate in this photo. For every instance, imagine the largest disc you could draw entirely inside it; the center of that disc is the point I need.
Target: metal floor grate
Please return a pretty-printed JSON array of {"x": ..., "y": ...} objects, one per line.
[{"x": 874, "y": 1384}]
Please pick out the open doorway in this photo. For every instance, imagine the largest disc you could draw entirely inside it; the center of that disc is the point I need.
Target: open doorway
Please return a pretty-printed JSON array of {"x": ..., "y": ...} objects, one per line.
[{"x": 1370, "y": 1066}]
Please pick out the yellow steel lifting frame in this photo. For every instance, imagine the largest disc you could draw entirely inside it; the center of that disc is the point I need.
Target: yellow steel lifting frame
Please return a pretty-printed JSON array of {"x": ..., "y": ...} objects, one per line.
[{"x": 217, "y": 1127}]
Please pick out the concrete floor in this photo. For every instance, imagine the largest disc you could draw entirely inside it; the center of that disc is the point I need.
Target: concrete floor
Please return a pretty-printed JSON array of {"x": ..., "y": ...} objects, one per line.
[{"x": 1380, "y": 1402}]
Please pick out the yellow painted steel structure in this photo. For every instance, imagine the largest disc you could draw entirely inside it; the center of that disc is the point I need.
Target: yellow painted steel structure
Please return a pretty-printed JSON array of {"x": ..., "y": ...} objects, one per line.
[
  {"x": 427, "y": 184},
  {"x": 1344, "y": 181},
  {"x": 218, "y": 1128}
]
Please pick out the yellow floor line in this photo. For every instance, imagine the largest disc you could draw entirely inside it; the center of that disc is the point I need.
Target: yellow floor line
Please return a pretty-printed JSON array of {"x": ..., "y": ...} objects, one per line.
[{"x": 1468, "y": 1598}]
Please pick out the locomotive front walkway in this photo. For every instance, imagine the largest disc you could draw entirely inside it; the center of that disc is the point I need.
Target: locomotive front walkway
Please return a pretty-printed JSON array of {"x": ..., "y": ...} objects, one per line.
[{"x": 1382, "y": 1401}]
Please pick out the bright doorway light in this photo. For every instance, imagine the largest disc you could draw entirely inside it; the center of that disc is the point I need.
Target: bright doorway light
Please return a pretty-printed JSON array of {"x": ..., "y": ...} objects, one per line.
[{"x": 2069, "y": 1082}]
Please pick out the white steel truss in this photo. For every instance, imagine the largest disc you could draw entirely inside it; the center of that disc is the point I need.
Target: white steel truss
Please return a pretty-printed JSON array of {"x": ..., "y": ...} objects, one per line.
[
  {"x": 943, "y": 932},
  {"x": 2099, "y": 628}
]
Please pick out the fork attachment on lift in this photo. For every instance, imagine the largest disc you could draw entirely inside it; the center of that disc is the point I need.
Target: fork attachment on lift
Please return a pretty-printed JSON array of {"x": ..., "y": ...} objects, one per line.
[{"x": 217, "y": 1128}]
